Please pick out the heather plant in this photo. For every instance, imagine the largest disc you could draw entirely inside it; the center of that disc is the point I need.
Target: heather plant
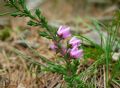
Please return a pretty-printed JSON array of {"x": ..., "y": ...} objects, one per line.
[{"x": 74, "y": 54}]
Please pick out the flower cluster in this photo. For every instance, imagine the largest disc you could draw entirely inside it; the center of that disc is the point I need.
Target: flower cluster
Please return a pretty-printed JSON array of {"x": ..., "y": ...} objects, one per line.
[
  {"x": 75, "y": 52},
  {"x": 74, "y": 43}
]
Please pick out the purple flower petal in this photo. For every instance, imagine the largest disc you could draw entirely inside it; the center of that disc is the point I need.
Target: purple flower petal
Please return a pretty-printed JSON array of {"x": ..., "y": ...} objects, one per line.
[
  {"x": 75, "y": 53},
  {"x": 64, "y": 32},
  {"x": 74, "y": 41}
]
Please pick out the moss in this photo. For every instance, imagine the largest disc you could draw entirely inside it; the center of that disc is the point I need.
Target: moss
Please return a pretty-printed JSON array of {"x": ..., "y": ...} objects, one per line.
[
  {"x": 91, "y": 52},
  {"x": 5, "y": 33}
]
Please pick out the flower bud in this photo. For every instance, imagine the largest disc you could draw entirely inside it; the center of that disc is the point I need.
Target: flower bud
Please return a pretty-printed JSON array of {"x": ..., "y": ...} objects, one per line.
[
  {"x": 64, "y": 32},
  {"x": 76, "y": 53},
  {"x": 74, "y": 42},
  {"x": 53, "y": 47}
]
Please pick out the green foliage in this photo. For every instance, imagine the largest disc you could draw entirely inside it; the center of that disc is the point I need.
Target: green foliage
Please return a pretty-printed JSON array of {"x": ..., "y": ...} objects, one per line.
[
  {"x": 32, "y": 23},
  {"x": 45, "y": 34},
  {"x": 108, "y": 44},
  {"x": 92, "y": 52},
  {"x": 36, "y": 20},
  {"x": 116, "y": 68}
]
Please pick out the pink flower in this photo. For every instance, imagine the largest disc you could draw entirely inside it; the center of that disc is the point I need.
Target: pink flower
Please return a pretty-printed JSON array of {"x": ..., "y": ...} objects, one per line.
[
  {"x": 76, "y": 53},
  {"x": 53, "y": 47},
  {"x": 74, "y": 42},
  {"x": 64, "y": 32}
]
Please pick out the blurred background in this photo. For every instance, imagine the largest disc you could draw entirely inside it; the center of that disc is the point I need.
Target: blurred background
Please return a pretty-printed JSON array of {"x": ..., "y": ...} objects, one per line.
[
  {"x": 63, "y": 11},
  {"x": 67, "y": 12}
]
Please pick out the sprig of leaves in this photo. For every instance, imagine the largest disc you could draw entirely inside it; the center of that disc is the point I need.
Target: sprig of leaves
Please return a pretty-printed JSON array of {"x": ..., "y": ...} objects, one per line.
[{"x": 36, "y": 19}]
